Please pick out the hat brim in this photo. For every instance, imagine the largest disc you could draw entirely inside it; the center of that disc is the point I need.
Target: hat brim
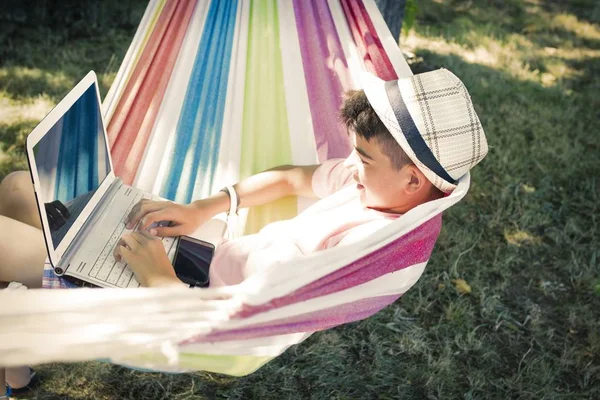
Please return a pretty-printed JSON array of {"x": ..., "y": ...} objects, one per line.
[{"x": 374, "y": 88}]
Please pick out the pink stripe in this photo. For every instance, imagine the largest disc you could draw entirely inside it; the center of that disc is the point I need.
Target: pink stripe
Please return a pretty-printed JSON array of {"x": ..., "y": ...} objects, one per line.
[
  {"x": 326, "y": 74},
  {"x": 310, "y": 322},
  {"x": 136, "y": 113},
  {"x": 413, "y": 248},
  {"x": 130, "y": 93},
  {"x": 367, "y": 40}
]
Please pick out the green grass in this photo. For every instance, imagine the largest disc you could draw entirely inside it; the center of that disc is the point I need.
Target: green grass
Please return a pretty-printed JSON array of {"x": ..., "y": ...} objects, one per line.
[{"x": 525, "y": 238}]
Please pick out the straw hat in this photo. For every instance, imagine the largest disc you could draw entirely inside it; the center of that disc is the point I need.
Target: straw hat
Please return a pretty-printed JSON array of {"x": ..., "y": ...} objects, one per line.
[{"x": 431, "y": 116}]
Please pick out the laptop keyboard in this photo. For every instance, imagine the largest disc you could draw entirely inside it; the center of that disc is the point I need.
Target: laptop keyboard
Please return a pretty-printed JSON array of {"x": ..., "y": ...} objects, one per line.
[{"x": 106, "y": 268}]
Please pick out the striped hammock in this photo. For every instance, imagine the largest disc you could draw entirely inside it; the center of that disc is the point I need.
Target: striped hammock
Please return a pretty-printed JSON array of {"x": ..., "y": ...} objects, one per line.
[{"x": 211, "y": 92}]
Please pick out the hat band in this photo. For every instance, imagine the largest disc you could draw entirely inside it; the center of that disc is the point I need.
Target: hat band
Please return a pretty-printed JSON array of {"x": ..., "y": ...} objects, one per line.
[{"x": 412, "y": 134}]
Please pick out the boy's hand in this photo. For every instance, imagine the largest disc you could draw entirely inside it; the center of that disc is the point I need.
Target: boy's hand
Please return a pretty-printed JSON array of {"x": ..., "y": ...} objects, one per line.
[
  {"x": 147, "y": 258},
  {"x": 184, "y": 218}
]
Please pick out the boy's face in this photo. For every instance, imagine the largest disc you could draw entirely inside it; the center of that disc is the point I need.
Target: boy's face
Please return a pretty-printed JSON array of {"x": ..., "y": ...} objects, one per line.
[{"x": 381, "y": 185}]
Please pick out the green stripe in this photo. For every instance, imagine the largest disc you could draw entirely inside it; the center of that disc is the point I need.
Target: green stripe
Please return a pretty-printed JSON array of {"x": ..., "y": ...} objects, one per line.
[
  {"x": 221, "y": 364},
  {"x": 265, "y": 131}
]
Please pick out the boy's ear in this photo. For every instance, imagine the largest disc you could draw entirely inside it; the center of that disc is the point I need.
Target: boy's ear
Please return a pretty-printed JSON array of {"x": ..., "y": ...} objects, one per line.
[{"x": 416, "y": 179}]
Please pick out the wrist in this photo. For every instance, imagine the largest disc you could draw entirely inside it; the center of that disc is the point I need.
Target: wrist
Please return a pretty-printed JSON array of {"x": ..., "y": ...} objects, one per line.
[
  {"x": 165, "y": 281},
  {"x": 214, "y": 204}
]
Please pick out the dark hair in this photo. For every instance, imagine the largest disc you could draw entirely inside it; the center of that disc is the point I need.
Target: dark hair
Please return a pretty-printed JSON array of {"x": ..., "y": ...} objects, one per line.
[{"x": 358, "y": 115}]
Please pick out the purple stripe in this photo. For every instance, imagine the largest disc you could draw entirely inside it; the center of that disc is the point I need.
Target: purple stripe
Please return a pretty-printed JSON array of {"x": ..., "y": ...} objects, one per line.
[
  {"x": 413, "y": 248},
  {"x": 326, "y": 78},
  {"x": 310, "y": 322}
]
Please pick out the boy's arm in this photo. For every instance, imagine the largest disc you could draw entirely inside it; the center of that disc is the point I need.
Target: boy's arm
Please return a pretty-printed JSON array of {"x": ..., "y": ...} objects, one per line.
[
  {"x": 265, "y": 187},
  {"x": 145, "y": 254}
]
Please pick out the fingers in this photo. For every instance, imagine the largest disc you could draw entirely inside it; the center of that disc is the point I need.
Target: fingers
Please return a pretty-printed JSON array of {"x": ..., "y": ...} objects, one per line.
[
  {"x": 142, "y": 208},
  {"x": 156, "y": 216},
  {"x": 146, "y": 235},
  {"x": 170, "y": 231},
  {"x": 122, "y": 253},
  {"x": 129, "y": 241},
  {"x": 118, "y": 250},
  {"x": 132, "y": 241},
  {"x": 141, "y": 237}
]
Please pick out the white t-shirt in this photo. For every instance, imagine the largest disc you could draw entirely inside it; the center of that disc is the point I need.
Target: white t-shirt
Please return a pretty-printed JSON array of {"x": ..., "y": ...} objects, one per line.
[{"x": 337, "y": 219}]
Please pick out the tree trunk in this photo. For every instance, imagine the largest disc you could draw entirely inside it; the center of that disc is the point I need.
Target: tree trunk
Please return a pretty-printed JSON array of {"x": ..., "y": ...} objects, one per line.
[{"x": 393, "y": 14}]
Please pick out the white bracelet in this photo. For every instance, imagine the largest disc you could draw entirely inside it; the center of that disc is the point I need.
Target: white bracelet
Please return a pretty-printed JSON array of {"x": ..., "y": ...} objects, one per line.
[{"x": 234, "y": 200}]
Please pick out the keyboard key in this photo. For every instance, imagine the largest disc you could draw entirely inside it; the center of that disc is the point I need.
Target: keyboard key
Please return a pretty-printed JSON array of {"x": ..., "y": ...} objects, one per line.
[
  {"x": 133, "y": 283},
  {"x": 116, "y": 272},
  {"x": 105, "y": 267},
  {"x": 103, "y": 274},
  {"x": 125, "y": 278},
  {"x": 94, "y": 271}
]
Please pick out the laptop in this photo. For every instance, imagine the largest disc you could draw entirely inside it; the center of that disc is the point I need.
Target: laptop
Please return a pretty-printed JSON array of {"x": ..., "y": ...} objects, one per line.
[{"x": 82, "y": 204}]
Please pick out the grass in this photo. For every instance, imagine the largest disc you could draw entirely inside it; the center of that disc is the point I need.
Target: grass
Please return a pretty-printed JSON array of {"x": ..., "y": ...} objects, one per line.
[{"x": 525, "y": 239}]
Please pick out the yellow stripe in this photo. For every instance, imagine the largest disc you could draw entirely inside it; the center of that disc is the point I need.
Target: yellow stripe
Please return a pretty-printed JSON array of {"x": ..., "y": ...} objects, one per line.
[{"x": 265, "y": 129}]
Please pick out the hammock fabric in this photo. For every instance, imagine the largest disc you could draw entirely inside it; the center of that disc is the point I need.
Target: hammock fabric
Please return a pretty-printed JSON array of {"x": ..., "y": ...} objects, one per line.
[{"x": 211, "y": 92}]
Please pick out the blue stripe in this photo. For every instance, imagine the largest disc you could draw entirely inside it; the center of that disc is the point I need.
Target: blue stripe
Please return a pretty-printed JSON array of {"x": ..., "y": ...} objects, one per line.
[
  {"x": 198, "y": 134},
  {"x": 411, "y": 132}
]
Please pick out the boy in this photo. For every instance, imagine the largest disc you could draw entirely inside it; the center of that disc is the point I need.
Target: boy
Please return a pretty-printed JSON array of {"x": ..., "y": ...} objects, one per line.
[{"x": 412, "y": 138}]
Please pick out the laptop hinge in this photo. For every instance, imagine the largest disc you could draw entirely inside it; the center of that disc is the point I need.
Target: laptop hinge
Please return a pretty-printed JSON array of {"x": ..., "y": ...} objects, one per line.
[{"x": 98, "y": 211}]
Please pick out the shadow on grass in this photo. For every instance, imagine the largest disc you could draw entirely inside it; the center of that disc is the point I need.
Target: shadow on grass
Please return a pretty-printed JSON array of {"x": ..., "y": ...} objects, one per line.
[
  {"x": 547, "y": 24},
  {"x": 51, "y": 58}
]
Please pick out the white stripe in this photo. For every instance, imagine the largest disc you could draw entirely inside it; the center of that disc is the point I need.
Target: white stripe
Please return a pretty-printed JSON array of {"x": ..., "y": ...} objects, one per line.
[
  {"x": 228, "y": 170},
  {"x": 395, "y": 283},
  {"x": 390, "y": 44},
  {"x": 153, "y": 166},
  {"x": 116, "y": 89},
  {"x": 230, "y": 148},
  {"x": 162, "y": 319},
  {"x": 355, "y": 63},
  {"x": 271, "y": 282},
  {"x": 302, "y": 137}
]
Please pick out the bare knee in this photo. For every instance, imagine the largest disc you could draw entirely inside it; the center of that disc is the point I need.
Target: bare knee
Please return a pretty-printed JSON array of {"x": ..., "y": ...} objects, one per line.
[
  {"x": 16, "y": 183},
  {"x": 17, "y": 198}
]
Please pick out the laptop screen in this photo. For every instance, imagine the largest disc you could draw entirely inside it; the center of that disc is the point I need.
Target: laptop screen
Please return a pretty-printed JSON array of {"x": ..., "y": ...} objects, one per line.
[{"x": 72, "y": 161}]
